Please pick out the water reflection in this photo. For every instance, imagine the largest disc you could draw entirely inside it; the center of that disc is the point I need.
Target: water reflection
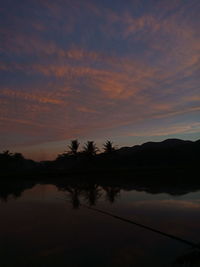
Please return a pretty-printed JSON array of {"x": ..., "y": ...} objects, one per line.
[
  {"x": 74, "y": 194},
  {"x": 52, "y": 229},
  {"x": 14, "y": 188},
  {"x": 189, "y": 258},
  {"x": 93, "y": 191},
  {"x": 90, "y": 193},
  {"x": 112, "y": 193}
]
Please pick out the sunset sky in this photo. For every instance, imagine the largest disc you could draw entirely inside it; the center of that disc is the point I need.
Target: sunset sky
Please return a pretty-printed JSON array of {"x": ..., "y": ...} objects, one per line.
[{"x": 125, "y": 70}]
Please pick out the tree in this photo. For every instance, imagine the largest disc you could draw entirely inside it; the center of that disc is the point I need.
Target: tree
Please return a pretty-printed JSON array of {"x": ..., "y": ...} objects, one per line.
[
  {"x": 7, "y": 153},
  {"x": 108, "y": 147},
  {"x": 18, "y": 156},
  {"x": 6, "y": 156},
  {"x": 92, "y": 194},
  {"x": 90, "y": 148},
  {"x": 74, "y": 147}
]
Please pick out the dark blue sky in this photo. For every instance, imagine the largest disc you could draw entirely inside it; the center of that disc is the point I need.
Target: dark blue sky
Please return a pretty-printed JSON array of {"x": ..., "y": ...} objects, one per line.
[{"x": 122, "y": 70}]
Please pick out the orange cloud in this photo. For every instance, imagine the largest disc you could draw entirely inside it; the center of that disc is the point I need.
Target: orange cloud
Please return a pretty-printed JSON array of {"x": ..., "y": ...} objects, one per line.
[
  {"x": 19, "y": 121},
  {"x": 29, "y": 96},
  {"x": 110, "y": 89},
  {"x": 86, "y": 109}
]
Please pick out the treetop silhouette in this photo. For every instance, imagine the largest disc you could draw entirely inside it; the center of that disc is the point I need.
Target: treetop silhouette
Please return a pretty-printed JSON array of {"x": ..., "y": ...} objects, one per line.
[
  {"x": 90, "y": 148},
  {"x": 73, "y": 147},
  {"x": 108, "y": 147}
]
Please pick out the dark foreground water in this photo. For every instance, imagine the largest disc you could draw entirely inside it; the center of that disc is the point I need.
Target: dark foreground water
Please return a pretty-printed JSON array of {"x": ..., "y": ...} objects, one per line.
[{"x": 45, "y": 225}]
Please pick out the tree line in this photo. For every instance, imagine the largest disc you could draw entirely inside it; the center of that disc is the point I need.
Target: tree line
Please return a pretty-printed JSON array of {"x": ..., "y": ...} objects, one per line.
[
  {"x": 7, "y": 156},
  {"x": 90, "y": 148}
]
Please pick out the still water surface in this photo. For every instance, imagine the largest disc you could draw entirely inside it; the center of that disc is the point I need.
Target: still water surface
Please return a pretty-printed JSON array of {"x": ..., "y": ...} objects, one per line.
[{"x": 45, "y": 226}]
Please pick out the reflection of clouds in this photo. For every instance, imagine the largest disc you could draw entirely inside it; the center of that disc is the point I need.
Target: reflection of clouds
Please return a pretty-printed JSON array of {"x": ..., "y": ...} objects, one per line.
[
  {"x": 42, "y": 193},
  {"x": 168, "y": 203},
  {"x": 173, "y": 216}
]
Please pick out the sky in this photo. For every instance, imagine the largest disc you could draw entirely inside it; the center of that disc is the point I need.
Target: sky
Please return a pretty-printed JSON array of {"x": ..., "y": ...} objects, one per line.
[{"x": 127, "y": 71}]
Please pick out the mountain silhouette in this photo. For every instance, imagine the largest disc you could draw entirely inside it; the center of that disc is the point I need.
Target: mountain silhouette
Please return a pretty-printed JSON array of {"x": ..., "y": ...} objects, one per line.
[
  {"x": 166, "y": 144},
  {"x": 170, "y": 153}
]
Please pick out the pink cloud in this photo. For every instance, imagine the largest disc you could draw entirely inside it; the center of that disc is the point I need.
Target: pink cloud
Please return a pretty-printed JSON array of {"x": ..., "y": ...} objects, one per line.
[{"x": 28, "y": 96}]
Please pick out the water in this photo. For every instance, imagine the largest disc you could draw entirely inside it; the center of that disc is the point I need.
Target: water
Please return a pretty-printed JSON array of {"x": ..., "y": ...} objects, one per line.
[{"x": 45, "y": 225}]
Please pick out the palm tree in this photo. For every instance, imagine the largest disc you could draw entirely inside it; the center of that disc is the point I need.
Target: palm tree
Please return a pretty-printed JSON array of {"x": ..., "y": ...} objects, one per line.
[
  {"x": 92, "y": 194},
  {"x": 74, "y": 147},
  {"x": 112, "y": 193},
  {"x": 108, "y": 147},
  {"x": 90, "y": 148},
  {"x": 75, "y": 193}
]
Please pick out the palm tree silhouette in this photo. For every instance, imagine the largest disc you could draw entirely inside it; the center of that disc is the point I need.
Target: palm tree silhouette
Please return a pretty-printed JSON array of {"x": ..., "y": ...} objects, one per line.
[
  {"x": 112, "y": 193},
  {"x": 90, "y": 148},
  {"x": 92, "y": 194},
  {"x": 75, "y": 193},
  {"x": 108, "y": 147},
  {"x": 74, "y": 147}
]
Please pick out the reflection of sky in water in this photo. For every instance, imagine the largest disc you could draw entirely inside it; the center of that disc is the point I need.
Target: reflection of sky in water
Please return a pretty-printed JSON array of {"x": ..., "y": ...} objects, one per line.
[
  {"x": 41, "y": 227},
  {"x": 190, "y": 200}
]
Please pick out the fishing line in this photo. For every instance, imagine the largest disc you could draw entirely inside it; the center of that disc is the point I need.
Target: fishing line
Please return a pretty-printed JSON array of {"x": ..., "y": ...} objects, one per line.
[{"x": 194, "y": 245}]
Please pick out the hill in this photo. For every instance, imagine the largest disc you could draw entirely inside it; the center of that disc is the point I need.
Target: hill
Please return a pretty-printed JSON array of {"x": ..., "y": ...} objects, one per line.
[{"x": 148, "y": 158}]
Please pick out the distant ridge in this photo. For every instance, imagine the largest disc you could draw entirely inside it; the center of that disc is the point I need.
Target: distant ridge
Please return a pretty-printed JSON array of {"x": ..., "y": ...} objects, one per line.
[
  {"x": 176, "y": 154},
  {"x": 166, "y": 144}
]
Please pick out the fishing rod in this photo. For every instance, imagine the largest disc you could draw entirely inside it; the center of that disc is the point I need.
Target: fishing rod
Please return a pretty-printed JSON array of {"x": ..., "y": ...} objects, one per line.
[
  {"x": 194, "y": 245},
  {"x": 187, "y": 242}
]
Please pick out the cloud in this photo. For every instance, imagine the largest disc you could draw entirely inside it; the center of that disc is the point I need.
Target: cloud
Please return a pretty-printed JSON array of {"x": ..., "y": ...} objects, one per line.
[
  {"x": 85, "y": 69},
  {"x": 18, "y": 121},
  {"x": 120, "y": 79},
  {"x": 30, "y": 96},
  {"x": 174, "y": 129},
  {"x": 86, "y": 109}
]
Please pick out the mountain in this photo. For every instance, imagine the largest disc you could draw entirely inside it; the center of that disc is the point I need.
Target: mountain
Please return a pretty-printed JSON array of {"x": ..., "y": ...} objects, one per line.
[
  {"x": 166, "y": 144},
  {"x": 168, "y": 152}
]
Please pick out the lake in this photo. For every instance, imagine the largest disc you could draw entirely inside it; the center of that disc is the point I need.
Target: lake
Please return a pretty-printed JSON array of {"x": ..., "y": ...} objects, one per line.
[{"x": 48, "y": 224}]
